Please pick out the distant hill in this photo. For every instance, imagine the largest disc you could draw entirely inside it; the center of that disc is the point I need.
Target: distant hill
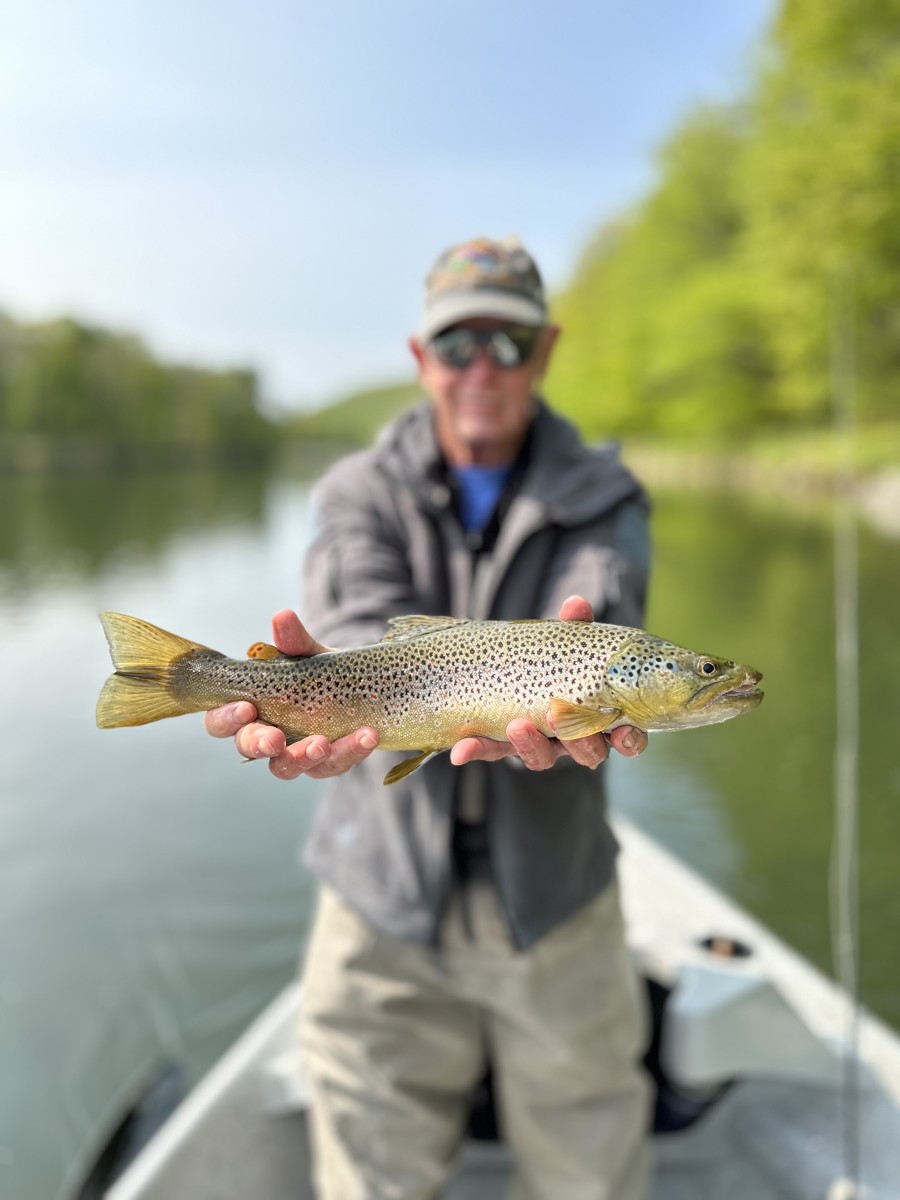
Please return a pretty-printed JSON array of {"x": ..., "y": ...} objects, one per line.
[{"x": 356, "y": 419}]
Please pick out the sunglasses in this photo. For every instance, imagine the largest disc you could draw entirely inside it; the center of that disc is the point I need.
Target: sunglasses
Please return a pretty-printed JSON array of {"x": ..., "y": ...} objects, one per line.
[{"x": 508, "y": 347}]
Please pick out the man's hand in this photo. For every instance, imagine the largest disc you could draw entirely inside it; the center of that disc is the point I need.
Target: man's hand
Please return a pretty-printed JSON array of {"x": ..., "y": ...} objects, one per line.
[
  {"x": 314, "y": 756},
  {"x": 538, "y": 752}
]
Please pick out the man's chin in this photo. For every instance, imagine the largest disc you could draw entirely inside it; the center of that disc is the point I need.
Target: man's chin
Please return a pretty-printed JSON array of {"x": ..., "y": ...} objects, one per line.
[
  {"x": 482, "y": 441},
  {"x": 481, "y": 432}
]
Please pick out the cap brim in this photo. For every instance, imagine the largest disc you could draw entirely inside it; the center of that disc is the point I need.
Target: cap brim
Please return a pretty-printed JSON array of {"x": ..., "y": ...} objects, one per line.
[{"x": 460, "y": 306}]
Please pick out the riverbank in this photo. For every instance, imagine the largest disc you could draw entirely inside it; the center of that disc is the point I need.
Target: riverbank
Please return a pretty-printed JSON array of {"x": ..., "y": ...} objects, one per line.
[
  {"x": 809, "y": 467},
  {"x": 802, "y": 460}
]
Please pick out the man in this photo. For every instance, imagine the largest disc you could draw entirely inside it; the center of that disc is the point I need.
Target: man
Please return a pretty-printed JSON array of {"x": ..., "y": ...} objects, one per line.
[{"x": 469, "y": 914}]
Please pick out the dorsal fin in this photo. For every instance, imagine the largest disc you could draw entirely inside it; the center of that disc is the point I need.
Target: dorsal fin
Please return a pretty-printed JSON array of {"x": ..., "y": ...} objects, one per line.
[{"x": 400, "y": 628}]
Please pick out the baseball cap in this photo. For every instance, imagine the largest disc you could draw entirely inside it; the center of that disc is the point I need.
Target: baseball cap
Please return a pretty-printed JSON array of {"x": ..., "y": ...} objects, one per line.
[{"x": 483, "y": 278}]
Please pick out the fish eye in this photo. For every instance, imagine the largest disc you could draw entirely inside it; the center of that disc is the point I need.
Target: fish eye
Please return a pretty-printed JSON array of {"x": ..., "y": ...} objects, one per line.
[{"x": 706, "y": 666}]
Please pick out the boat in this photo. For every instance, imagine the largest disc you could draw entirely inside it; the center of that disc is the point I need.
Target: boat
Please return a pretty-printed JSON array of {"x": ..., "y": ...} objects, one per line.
[{"x": 770, "y": 1080}]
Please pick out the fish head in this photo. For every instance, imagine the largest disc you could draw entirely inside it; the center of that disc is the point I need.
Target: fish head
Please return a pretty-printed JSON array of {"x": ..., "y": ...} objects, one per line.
[{"x": 658, "y": 685}]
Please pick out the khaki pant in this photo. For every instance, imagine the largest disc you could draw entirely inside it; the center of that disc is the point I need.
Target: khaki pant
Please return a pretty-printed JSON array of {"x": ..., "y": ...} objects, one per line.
[{"x": 395, "y": 1036}]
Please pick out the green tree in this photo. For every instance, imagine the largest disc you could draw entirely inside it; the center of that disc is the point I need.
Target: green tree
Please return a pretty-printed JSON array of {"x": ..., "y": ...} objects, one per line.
[
  {"x": 710, "y": 308},
  {"x": 821, "y": 181},
  {"x": 64, "y": 380},
  {"x": 662, "y": 330}
]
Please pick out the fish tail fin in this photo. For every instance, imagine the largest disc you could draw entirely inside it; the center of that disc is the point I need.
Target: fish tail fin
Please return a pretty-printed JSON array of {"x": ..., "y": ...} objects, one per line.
[{"x": 143, "y": 656}]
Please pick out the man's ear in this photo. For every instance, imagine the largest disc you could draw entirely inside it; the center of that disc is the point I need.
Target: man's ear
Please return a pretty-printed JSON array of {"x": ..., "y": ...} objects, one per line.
[{"x": 417, "y": 350}]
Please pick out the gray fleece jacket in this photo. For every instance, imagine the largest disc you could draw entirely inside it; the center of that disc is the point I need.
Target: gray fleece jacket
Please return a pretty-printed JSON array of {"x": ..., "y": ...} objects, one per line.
[{"x": 388, "y": 543}]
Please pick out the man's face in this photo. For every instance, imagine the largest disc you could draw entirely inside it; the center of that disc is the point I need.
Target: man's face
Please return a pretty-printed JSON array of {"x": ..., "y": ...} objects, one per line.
[{"x": 482, "y": 410}]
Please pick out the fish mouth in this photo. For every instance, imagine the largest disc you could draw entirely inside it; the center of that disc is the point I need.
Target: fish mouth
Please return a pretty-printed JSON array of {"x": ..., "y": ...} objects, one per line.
[
  {"x": 747, "y": 693},
  {"x": 745, "y": 697}
]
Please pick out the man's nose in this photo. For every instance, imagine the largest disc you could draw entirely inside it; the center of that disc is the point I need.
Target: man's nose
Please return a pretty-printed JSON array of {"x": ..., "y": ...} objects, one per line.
[{"x": 482, "y": 365}]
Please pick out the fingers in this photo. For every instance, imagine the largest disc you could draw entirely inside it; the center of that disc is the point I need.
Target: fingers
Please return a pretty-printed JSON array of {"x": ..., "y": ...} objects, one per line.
[
  {"x": 536, "y": 751},
  {"x": 628, "y": 740},
  {"x": 576, "y": 608},
  {"x": 291, "y": 636},
  {"x": 257, "y": 740},
  {"x": 226, "y": 721},
  {"x": 480, "y": 749},
  {"x": 588, "y": 751},
  {"x": 320, "y": 759},
  {"x": 591, "y": 751},
  {"x": 525, "y": 740}
]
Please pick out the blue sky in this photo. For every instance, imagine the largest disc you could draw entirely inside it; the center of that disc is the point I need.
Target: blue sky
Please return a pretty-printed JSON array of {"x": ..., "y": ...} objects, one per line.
[{"x": 266, "y": 183}]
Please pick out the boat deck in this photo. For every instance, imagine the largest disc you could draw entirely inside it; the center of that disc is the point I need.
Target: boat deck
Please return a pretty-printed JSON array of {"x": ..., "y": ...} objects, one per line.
[{"x": 784, "y": 1125}]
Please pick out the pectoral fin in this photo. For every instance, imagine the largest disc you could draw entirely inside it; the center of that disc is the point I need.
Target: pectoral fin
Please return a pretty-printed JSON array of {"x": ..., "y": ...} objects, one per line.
[
  {"x": 409, "y": 765},
  {"x": 577, "y": 720}
]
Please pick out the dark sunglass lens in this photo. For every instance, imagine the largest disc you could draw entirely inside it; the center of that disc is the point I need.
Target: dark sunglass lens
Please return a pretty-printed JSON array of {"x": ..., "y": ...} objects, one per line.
[
  {"x": 456, "y": 348},
  {"x": 525, "y": 340},
  {"x": 507, "y": 347}
]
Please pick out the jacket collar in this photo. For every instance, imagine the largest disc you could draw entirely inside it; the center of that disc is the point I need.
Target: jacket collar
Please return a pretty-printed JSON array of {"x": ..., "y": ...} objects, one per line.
[{"x": 565, "y": 481}]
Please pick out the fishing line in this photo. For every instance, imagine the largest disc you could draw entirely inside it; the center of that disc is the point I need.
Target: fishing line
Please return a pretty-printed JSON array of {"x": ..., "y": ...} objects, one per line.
[{"x": 843, "y": 889}]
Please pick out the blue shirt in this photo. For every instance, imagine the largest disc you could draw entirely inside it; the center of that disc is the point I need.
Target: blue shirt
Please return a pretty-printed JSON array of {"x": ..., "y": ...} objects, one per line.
[{"x": 479, "y": 490}]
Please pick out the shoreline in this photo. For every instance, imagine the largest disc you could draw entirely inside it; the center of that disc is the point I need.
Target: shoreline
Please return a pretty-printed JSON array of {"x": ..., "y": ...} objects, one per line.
[
  {"x": 804, "y": 468},
  {"x": 874, "y": 492}
]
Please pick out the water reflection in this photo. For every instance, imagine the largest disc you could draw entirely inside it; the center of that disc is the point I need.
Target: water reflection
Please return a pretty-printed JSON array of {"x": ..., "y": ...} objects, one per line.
[{"x": 69, "y": 526}]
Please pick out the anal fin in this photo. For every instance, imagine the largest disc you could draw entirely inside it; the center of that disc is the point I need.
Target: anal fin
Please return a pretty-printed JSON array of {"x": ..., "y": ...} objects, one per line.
[{"x": 395, "y": 774}]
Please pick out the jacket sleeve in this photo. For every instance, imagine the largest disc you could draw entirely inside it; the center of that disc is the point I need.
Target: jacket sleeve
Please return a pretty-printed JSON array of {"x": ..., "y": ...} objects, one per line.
[
  {"x": 606, "y": 561},
  {"x": 356, "y": 573},
  {"x": 627, "y": 603}
]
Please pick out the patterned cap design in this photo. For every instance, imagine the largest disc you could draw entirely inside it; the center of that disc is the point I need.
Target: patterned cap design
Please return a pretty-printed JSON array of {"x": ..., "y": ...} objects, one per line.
[{"x": 483, "y": 278}]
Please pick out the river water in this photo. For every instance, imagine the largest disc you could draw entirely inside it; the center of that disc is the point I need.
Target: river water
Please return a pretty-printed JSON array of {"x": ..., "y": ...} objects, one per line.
[{"x": 152, "y": 900}]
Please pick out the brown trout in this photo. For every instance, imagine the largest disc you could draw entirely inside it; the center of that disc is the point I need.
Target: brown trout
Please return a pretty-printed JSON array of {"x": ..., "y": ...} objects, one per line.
[{"x": 431, "y": 681}]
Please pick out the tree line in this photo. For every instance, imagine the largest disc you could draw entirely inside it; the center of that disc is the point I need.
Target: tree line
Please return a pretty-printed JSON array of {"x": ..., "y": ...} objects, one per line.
[
  {"x": 713, "y": 306},
  {"x": 76, "y": 387}
]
